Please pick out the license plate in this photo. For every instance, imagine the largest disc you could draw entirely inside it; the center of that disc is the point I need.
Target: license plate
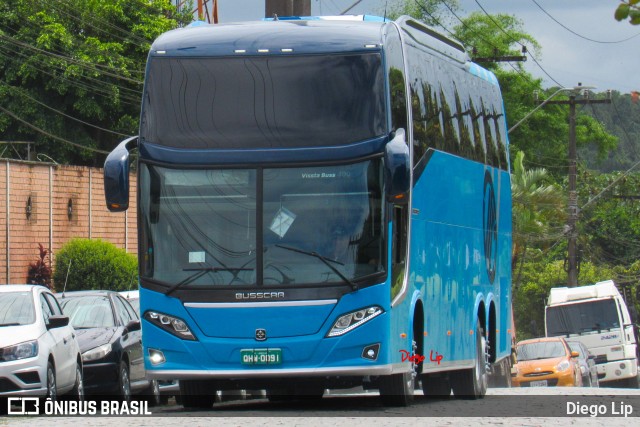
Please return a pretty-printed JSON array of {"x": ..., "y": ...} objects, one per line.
[
  {"x": 541, "y": 383},
  {"x": 261, "y": 356}
]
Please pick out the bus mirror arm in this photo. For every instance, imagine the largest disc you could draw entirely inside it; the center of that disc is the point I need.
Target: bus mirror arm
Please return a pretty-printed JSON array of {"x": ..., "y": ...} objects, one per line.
[
  {"x": 397, "y": 169},
  {"x": 116, "y": 175}
]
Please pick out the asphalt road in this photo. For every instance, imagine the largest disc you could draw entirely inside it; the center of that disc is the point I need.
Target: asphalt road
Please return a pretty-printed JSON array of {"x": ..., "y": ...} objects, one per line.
[{"x": 516, "y": 406}]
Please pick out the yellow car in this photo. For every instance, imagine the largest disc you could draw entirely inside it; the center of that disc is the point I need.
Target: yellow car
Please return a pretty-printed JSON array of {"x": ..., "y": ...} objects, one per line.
[{"x": 546, "y": 362}]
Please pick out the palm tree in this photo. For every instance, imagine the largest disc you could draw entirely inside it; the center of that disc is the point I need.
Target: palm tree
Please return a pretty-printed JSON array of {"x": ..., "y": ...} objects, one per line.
[{"x": 538, "y": 211}]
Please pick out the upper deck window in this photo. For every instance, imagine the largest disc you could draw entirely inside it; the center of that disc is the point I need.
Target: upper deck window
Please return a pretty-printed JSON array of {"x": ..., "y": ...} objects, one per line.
[{"x": 263, "y": 102}]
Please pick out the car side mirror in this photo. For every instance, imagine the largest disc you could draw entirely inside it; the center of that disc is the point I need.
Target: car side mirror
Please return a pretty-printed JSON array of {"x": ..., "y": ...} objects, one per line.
[
  {"x": 133, "y": 325},
  {"x": 575, "y": 354},
  {"x": 116, "y": 176},
  {"x": 57, "y": 321},
  {"x": 397, "y": 169}
]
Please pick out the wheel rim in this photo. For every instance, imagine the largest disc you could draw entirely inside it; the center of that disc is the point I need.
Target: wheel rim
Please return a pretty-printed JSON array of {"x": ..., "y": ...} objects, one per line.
[
  {"x": 52, "y": 392},
  {"x": 79, "y": 384},
  {"x": 125, "y": 387}
]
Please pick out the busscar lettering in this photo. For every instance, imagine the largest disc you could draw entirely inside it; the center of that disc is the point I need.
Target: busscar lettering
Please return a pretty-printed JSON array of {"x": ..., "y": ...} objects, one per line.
[{"x": 259, "y": 295}]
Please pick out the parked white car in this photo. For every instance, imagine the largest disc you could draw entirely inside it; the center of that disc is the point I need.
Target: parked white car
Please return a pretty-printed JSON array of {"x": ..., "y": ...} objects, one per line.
[{"x": 39, "y": 354}]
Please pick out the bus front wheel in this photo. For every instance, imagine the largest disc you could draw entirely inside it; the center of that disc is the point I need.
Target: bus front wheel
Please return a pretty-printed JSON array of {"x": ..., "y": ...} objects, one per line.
[{"x": 397, "y": 389}]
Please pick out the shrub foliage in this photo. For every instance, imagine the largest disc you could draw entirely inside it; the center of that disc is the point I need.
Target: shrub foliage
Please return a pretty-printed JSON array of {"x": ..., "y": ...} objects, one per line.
[{"x": 94, "y": 264}]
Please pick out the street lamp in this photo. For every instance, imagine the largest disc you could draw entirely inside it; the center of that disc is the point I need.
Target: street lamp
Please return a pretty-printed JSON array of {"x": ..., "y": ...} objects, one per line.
[{"x": 543, "y": 103}]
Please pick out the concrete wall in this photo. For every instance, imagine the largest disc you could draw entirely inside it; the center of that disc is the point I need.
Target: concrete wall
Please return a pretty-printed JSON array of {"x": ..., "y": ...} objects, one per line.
[{"x": 66, "y": 202}]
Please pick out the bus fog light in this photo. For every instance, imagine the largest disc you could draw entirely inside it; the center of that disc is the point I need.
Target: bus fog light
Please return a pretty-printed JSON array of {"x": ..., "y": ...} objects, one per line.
[
  {"x": 622, "y": 366},
  {"x": 156, "y": 356},
  {"x": 618, "y": 372}
]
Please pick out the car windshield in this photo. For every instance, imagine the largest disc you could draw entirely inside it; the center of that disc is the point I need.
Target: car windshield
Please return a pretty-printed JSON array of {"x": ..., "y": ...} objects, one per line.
[
  {"x": 16, "y": 308},
  {"x": 88, "y": 311},
  {"x": 246, "y": 227},
  {"x": 540, "y": 350}
]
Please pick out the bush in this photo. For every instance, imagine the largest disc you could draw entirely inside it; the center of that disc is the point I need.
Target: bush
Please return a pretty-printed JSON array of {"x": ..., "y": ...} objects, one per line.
[
  {"x": 94, "y": 264},
  {"x": 39, "y": 272}
]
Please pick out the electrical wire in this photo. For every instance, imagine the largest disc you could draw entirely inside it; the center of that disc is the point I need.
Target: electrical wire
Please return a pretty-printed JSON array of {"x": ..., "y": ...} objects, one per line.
[
  {"x": 50, "y": 135},
  {"x": 22, "y": 93},
  {"x": 580, "y": 35}
]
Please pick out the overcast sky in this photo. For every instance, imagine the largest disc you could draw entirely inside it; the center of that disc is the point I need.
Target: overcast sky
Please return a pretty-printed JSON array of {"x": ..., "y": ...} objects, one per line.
[{"x": 568, "y": 58}]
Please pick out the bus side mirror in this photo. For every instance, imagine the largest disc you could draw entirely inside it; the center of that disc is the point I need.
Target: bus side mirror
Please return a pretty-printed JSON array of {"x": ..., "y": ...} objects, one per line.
[
  {"x": 116, "y": 176},
  {"x": 397, "y": 169}
]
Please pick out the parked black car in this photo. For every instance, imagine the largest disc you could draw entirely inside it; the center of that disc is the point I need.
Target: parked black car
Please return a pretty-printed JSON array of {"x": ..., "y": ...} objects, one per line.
[{"x": 110, "y": 339}]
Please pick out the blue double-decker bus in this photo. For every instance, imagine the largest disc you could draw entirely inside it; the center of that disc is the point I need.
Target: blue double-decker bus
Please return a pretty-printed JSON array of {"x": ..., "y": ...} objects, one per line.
[{"x": 322, "y": 203}]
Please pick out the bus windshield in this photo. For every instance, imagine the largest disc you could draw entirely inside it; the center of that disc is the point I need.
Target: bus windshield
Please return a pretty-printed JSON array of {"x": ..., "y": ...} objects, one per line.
[
  {"x": 263, "y": 102},
  {"x": 582, "y": 318},
  {"x": 253, "y": 227}
]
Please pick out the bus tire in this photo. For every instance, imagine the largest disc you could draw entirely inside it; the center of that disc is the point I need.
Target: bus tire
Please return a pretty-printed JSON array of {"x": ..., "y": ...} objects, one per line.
[
  {"x": 472, "y": 383},
  {"x": 397, "y": 389},
  {"x": 438, "y": 387},
  {"x": 195, "y": 394}
]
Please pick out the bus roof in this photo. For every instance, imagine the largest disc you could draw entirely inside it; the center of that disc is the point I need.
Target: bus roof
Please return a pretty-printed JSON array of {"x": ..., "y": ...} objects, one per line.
[{"x": 271, "y": 37}]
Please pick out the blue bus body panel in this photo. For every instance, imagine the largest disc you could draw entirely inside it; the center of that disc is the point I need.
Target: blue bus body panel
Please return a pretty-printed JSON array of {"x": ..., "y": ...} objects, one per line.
[
  {"x": 448, "y": 261},
  {"x": 310, "y": 349}
]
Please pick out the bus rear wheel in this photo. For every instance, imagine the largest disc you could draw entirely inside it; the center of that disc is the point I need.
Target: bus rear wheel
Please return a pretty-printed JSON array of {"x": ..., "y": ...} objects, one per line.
[{"x": 472, "y": 383}]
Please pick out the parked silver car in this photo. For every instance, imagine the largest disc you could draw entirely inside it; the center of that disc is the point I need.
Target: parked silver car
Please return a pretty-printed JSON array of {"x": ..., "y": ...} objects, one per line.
[
  {"x": 39, "y": 354},
  {"x": 587, "y": 362}
]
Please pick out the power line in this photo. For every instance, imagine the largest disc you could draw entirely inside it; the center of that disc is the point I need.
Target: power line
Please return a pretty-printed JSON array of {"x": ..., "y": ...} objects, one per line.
[
  {"x": 580, "y": 35},
  {"x": 21, "y": 93},
  {"x": 50, "y": 135}
]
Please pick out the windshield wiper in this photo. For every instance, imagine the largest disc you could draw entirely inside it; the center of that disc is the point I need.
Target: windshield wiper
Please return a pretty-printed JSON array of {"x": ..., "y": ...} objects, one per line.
[
  {"x": 201, "y": 271},
  {"x": 10, "y": 324},
  {"x": 326, "y": 261}
]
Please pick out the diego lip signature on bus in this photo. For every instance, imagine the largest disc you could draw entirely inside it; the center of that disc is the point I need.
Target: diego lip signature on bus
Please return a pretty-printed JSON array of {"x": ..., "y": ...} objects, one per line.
[{"x": 417, "y": 358}]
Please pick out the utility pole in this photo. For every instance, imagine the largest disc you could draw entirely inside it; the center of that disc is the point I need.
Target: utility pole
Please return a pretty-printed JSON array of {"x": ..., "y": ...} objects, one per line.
[
  {"x": 572, "y": 233},
  {"x": 287, "y": 8}
]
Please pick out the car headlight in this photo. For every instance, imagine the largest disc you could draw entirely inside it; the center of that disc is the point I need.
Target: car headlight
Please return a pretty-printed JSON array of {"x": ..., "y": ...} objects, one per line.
[
  {"x": 96, "y": 353},
  {"x": 173, "y": 325},
  {"x": 583, "y": 370},
  {"x": 350, "y": 321},
  {"x": 19, "y": 351},
  {"x": 563, "y": 366}
]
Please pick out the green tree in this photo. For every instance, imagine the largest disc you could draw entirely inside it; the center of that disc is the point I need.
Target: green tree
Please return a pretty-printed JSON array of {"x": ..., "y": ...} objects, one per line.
[
  {"x": 629, "y": 9},
  {"x": 433, "y": 12},
  {"x": 538, "y": 211},
  {"x": 71, "y": 71},
  {"x": 543, "y": 136},
  {"x": 94, "y": 264}
]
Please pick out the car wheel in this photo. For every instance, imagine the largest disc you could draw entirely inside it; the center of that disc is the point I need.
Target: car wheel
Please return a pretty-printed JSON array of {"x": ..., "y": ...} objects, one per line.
[
  {"x": 77, "y": 393},
  {"x": 152, "y": 393},
  {"x": 52, "y": 388},
  {"x": 124, "y": 383}
]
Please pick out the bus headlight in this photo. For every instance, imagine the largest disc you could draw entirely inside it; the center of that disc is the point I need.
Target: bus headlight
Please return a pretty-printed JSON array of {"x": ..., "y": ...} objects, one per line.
[
  {"x": 350, "y": 321},
  {"x": 173, "y": 325}
]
